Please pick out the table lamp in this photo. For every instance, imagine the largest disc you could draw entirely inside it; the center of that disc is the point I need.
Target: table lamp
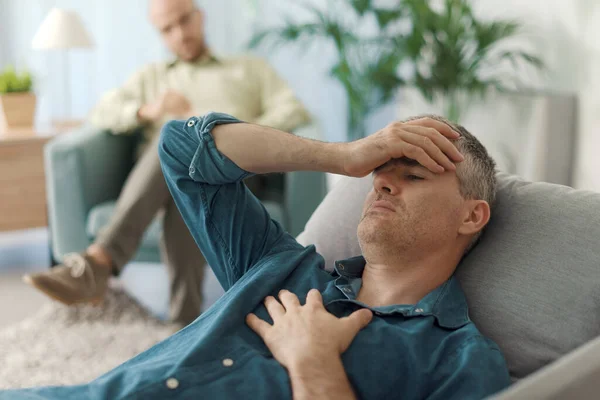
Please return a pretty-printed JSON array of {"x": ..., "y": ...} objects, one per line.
[{"x": 62, "y": 30}]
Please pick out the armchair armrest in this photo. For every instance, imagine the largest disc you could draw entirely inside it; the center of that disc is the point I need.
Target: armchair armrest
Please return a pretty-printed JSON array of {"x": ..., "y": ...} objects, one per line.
[
  {"x": 304, "y": 190},
  {"x": 83, "y": 168}
]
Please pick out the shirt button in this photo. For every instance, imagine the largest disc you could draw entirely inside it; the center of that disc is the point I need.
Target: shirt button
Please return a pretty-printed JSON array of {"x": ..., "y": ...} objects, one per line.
[
  {"x": 172, "y": 383},
  {"x": 377, "y": 313},
  {"x": 419, "y": 310},
  {"x": 341, "y": 266},
  {"x": 347, "y": 290},
  {"x": 228, "y": 362},
  {"x": 192, "y": 170},
  {"x": 191, "y": 123}
]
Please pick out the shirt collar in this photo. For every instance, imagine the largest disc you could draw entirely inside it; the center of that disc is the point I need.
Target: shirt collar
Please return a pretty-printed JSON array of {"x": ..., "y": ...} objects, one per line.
[
  {"x": 446, "y": 303},
  {"x": 205, "y": 59}
]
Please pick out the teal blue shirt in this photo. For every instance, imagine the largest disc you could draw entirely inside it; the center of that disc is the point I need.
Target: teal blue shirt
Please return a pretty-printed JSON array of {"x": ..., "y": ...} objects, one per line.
[{"x": 428, "y": 350}]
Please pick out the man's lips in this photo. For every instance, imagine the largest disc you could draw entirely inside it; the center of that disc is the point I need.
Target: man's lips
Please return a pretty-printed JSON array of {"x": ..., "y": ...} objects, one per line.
[{"x": 383, "y": 205}]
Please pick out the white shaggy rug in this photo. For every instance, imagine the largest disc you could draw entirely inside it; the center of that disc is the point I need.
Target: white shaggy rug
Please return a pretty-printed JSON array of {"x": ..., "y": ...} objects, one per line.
[{"x": 71, "y": 345}]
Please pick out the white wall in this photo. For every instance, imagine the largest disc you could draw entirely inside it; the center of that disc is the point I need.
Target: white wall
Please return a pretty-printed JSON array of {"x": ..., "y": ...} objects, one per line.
[
  {"x": 588, "y": 163},
  {"x": 566, "y": 32},
  {"x": 4, "y": 38},
  {"x": 124, "y": 40}
]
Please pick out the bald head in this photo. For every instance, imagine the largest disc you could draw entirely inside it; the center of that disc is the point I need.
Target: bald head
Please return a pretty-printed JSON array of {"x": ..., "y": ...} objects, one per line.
[
  {"x": 181, "y": 25},
  {"x": 159, "y": 8}
]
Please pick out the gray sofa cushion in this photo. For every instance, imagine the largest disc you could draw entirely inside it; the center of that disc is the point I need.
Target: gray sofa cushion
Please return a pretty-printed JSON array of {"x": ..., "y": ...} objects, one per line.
[{"x": 532, "y": 283}]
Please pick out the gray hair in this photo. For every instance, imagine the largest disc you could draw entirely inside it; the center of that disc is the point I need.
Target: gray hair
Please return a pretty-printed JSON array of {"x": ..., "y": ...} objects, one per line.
[{"x": 477, "y": 173}]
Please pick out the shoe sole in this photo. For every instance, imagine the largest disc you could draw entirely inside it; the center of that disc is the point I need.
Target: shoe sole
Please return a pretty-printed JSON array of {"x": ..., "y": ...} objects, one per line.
[{"x": 94, "y": 301}]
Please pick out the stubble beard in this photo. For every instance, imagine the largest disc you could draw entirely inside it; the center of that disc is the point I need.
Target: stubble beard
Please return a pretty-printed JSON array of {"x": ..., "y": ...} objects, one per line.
[{"x": 380, "y": 237}]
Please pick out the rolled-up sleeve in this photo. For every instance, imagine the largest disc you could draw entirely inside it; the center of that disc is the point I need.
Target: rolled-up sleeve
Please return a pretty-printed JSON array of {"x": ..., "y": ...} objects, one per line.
[
  {"x": 209, "y": 165},
  {"x": 230, "y": 225}
]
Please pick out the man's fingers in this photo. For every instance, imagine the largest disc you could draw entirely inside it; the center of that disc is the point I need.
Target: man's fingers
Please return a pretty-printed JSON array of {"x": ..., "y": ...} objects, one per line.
[
  {"x": 288, "y": 299},
  {"x": 257, "y": 325},
  {"x": 430, "y": 148},
  {"x": 274, "y": 308},
  {"x": 442, "y": 142},
  {"x": 314, "y": 298},
  {"x": 359, "y": 319},
  {"x": 404, "y": 149},
  {"x": 439, "y": 126}
]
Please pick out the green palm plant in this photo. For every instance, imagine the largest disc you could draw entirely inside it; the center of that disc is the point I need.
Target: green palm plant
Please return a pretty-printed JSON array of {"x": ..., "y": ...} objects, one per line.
[{"x": 448, "y": 51}]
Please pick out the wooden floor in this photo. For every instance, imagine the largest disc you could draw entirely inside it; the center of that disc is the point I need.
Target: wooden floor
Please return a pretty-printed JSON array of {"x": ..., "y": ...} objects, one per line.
[{"x": 27, "y": 251}]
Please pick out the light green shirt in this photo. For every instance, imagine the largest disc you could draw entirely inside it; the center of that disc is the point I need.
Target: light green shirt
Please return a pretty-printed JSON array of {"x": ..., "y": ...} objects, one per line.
[{"x": 244, "y": 86}]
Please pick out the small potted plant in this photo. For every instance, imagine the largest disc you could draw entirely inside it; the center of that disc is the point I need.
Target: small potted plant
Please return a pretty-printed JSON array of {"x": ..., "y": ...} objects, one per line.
[{"x": 17, "y": 101}]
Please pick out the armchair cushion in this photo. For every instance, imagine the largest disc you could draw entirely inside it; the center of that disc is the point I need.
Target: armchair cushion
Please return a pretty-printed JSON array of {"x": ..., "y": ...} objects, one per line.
[
  {"x": 99, "y": 217},
  {"x": 532, "y": 283}
]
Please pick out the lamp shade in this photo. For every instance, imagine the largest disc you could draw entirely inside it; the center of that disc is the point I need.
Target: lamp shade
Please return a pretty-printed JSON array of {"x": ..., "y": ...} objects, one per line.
[{"x": 61, "y": 29}]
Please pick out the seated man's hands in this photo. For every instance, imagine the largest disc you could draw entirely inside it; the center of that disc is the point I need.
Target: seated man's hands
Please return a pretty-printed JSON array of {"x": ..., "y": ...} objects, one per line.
[
  {"x": 304, "y": 334},
  {"x": 425, "y": 140},
  {"x": 170, "y": 103}
]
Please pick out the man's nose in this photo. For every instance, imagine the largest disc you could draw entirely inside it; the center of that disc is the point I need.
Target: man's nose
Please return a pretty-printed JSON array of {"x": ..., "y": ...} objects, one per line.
[
  {"x": 178, "y": 33},
  {"x": 385, "y": 182}
]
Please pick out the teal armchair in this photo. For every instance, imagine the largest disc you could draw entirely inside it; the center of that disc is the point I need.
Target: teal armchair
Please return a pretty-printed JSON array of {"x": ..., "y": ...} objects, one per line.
[{"x": 86, "y": 169}]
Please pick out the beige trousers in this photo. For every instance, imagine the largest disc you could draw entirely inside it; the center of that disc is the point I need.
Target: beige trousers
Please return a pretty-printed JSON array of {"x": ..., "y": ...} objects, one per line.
[{"x": 145, "y": 194}]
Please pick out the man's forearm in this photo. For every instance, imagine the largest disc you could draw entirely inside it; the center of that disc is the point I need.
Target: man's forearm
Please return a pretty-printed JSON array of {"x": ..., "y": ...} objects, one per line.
[
  {"x": 118, "y": 116},
  {"x": 323, "y": 379},
  {"x": 260, "y": 150}
]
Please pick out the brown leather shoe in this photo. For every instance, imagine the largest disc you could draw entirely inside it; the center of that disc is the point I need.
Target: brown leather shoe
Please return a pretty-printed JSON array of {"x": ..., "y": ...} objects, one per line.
[{"x": 78, "y": 280}]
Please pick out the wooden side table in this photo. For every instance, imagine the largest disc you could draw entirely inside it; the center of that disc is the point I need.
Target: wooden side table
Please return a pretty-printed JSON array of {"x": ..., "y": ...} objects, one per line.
[{"x": 22, "y": 180}]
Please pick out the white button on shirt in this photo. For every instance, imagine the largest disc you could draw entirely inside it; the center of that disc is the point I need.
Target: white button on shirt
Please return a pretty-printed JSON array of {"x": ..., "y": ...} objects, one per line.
[
  {"x": 228, "y": 362},
  {"x": 172, "y": 383}
]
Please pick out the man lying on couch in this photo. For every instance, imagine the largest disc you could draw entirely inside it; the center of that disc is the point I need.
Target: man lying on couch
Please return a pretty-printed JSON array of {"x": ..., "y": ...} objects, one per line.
[{"x": 392, "y": 323}]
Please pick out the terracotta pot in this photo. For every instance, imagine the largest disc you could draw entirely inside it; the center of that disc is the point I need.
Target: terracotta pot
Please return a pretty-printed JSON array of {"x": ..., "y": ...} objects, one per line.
[{"x": 17, "y": 110}]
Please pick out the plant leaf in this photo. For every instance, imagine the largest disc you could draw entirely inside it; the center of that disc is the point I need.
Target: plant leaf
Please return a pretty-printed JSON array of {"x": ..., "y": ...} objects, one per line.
[
  {"x": 385, "y": 16},
  {"x": 490, "y": 33},
  {"x": 361, "y": 6}
]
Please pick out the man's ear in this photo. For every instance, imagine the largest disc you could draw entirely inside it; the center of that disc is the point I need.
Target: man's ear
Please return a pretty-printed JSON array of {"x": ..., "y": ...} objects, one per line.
[{"x": 476, "y": 216}]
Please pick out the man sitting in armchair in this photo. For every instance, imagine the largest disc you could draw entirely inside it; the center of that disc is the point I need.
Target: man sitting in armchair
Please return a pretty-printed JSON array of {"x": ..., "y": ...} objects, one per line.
[{"x": 194, "y": 83}]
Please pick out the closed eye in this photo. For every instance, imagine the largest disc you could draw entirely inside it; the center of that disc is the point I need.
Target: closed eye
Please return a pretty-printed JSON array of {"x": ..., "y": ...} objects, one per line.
[{"x": 414, "y": 178}]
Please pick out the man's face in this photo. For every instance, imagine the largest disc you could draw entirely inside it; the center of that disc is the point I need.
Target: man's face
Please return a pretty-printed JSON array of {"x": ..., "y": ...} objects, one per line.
[
  {"x": 181, "y": 25},
  {"x": 410, "y": 209}
]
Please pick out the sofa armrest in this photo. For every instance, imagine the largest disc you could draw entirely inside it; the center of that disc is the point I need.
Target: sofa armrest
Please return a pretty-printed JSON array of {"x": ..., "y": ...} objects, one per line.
[
  {"x": 83, "y": 168},
  {"x": 574, "y": 376},
  {"x": 304, "y": 190}
]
